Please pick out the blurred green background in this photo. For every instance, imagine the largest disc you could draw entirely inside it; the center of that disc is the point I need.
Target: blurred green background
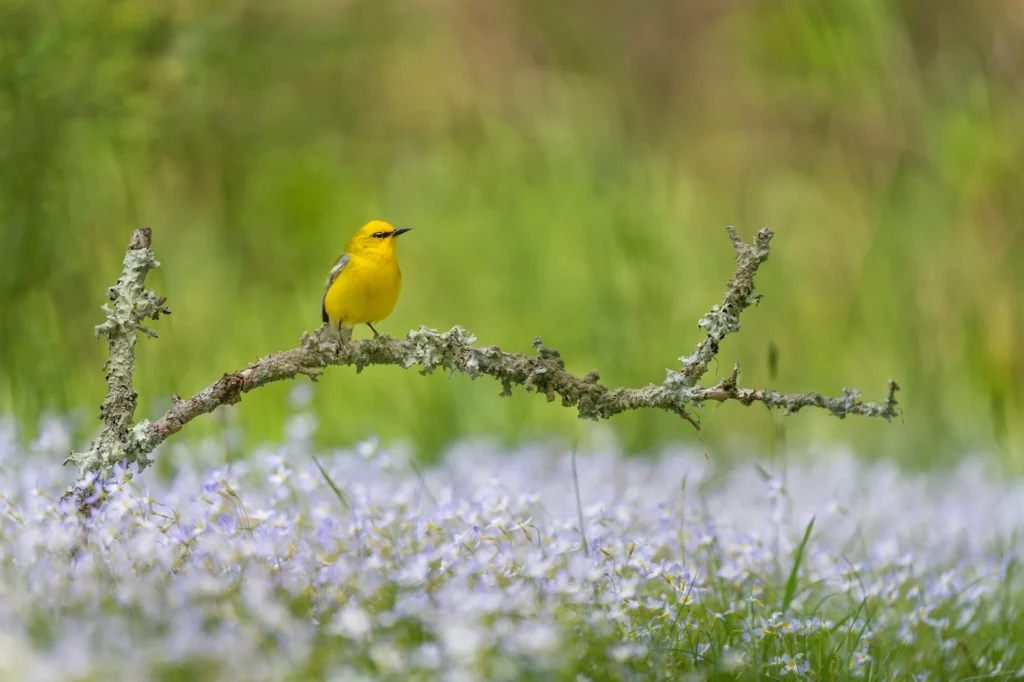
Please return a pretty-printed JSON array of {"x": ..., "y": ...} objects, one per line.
[{"x": 569, "y": 168}]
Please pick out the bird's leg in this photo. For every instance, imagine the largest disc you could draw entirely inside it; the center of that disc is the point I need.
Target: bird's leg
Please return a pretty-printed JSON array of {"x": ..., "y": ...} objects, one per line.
[
  {"x": 375, "y": 332},
  {"x": 344, "y": 333}
]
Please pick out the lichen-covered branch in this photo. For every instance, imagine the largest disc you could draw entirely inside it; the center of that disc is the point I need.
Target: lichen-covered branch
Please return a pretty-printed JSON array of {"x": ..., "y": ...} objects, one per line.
[
  {"x": 452, "y": 351},
  {"x": 849, "y": 403},
  {"x": 724, "y": 319},
  {"x": 130, "y": 304}
]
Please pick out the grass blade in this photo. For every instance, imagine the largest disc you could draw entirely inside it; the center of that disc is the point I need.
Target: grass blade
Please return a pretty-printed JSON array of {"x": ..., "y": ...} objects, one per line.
[
  {"x": 787, "y": 599},
  {"x": 336, "y": 489},
  {"x": 579, "y": 502}
]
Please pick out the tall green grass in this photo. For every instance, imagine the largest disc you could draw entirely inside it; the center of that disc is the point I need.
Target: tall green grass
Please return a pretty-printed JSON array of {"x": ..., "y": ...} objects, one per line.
[{"x": 569, "y": 171}]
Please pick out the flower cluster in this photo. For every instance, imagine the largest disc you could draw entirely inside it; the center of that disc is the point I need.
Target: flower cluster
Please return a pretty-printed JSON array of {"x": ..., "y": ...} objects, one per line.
[{"x": 354, "y": 564}]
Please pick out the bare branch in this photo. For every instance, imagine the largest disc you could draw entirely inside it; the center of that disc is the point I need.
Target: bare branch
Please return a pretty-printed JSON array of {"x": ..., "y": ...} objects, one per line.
[{"x": 430, "y": 350}]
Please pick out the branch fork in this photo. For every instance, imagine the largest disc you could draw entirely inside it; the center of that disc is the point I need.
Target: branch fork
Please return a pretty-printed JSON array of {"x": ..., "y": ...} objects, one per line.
[{"x": 122, "y": 442}]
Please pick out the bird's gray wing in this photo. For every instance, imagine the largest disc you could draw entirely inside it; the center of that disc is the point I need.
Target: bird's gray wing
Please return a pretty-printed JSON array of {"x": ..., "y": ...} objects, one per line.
[{"x": 339, "y": 265}]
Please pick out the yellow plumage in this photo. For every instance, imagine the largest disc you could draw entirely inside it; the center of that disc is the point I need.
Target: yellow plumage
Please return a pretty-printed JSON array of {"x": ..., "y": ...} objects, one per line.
[{"x": 364, "y": 284}]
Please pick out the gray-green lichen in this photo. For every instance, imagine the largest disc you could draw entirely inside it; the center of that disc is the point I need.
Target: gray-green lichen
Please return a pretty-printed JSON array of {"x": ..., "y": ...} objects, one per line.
[
  {"x": 724, "y": 319},
  {"x": 543, "y": 372},
  {"x": 130, "y": 303}
]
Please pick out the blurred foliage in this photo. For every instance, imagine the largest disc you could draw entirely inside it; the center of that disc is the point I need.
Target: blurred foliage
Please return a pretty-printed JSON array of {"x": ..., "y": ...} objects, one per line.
[{"x": 569, "y": 168}]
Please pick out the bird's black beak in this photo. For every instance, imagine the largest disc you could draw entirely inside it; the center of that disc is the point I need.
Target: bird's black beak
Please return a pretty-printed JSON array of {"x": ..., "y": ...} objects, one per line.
[{"x": 401, "y": 230}]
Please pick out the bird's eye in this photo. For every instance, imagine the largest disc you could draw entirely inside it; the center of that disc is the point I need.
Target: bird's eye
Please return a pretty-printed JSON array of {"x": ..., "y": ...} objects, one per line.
[{"x": 378, "y": 235}]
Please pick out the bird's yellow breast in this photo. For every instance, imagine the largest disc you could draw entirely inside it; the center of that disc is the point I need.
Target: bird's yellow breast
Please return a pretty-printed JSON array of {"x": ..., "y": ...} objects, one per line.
[{"x": 365, "y": 291}]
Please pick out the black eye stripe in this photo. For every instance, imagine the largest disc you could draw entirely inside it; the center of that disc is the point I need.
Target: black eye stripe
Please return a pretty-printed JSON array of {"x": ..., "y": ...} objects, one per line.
[{"x": 380, "y": 235}]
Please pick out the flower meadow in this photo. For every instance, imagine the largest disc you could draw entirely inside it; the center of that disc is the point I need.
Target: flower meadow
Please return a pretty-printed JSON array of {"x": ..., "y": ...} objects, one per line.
[{"x": 355, "y": 564}]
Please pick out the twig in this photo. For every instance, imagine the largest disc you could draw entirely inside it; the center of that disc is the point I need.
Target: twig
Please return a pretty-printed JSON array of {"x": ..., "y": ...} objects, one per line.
[
  {"x": 725, "y": 319},
  {"x": 430, "y": 350}
]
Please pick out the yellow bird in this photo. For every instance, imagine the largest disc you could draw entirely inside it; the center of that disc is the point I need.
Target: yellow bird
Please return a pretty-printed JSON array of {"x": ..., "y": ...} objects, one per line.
[{"x": 365, "y": 281}]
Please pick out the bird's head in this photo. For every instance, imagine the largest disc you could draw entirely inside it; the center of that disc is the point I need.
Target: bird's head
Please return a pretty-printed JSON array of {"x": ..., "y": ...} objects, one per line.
[{"x": 375, "y": 236}]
